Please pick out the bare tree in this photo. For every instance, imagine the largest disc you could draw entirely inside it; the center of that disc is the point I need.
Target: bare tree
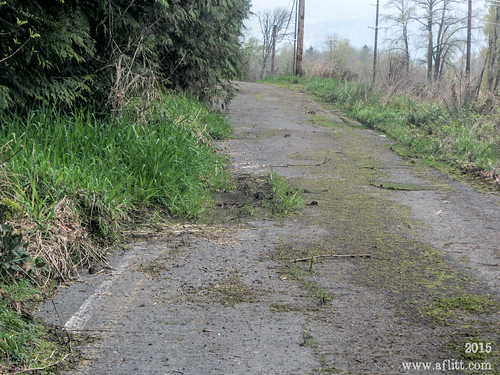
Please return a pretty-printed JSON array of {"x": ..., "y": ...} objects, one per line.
[
  {"x": 279, "y": 17},
  {"x": 492, "y": 58},
  {"x": 427, "y": 21},
  {"x": 448, "y": 39},
  {"x": 400, "y": 19},
  {"x": 442, "y": 29}
]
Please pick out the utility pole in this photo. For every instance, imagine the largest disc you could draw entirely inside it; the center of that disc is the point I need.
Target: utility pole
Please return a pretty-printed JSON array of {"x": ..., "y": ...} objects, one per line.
[
  {"x": 273, "y": 60},
  {"x": 469, "y": 41},
  {"x": 300, "y": 38},
  {"x": 294, "y": 61},
  {"x": 375, "y": 46}
]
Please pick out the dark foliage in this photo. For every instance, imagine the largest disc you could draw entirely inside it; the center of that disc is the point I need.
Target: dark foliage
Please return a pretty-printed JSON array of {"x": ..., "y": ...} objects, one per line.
[{"x": 66, "y": 52}]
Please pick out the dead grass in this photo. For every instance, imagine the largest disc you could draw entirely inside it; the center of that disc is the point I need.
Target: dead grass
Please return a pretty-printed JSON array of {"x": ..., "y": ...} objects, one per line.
[{"x": 63, "y": 247}]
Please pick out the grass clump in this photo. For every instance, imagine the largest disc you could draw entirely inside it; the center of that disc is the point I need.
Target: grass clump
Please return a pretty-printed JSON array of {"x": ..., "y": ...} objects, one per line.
[
  {"x": 284, "y": 199},
  {"x": 464, "y": 138},
  {"x": 25, "y": 343},
  {"x": 124, "y": 165}
]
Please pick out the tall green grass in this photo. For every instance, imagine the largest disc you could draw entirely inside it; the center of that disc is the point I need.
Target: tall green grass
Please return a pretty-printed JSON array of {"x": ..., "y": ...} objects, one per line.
[
  {"x": 428, "y": 129},
  {"x": 123, "y": 164}
]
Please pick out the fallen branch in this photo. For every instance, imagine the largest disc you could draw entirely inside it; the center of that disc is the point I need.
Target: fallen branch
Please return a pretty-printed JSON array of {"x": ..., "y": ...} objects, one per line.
[
  {"x": 391, "y": 187},
  {"x": 327, "y": 159},
  {"x": 331, "y": 256},
  {"x": 62, "y": 324}
]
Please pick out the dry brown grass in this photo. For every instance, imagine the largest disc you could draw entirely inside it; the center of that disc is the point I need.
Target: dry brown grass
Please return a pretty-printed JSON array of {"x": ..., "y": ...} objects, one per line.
[
  {"x": 325, "y": 69},
  {"x": 64, "y": 245}
]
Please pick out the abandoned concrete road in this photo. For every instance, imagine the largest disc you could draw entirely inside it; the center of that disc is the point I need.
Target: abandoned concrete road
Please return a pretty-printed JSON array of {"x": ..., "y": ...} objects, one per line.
[{"x": 420, "y": 285}]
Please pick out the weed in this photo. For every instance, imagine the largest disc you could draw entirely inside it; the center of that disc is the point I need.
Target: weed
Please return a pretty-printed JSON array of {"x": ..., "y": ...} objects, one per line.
[
  {"x": 308, "y": 340},
  {"x": 13, "y": 254},
  {"x": 322, "y": 297},
  {"x": 23, "y": 340},
  {"x": 311, "y": 262},
  {"x": 284, "y": 200}
]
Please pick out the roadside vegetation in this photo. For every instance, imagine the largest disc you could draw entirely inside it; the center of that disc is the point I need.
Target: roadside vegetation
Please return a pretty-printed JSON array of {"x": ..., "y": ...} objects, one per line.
[
  {"x": 23, "y": 340},
  {"x": 464, "y": 139}
]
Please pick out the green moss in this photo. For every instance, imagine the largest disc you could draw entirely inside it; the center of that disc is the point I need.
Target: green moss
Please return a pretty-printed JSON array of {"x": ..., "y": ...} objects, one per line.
[
  {"x": 479, "y": 347},
  {"x": 327, "y": 122},
  {"x": 228, "y": 292},
  {"x": 469, "y": 303},
  {"x": 9, "y": 208},
  {"x": 445, "y": 308},
  {"x": 362, "y": 218},
  {"x": 280, "y": 308}
]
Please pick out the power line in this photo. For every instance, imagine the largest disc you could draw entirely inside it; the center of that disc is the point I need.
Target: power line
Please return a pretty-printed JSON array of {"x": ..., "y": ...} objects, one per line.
[{"x": 288, "y": 22}]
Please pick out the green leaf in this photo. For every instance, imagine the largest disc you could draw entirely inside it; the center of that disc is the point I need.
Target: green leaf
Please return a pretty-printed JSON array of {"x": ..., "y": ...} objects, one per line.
[{"x": 20, "y": 23}]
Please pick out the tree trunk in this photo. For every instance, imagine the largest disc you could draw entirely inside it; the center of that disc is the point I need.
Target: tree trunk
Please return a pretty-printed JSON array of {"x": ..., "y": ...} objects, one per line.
[
  {"x": 407, "y": 49},
  {"x": 492, "y": 49},
  {"x": 430, "y": 44},
  {"x": 440, "y": 46},
  {"x": 273, "y": 59}
]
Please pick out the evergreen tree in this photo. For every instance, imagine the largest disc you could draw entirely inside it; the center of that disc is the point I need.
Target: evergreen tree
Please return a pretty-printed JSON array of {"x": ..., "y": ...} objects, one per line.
[{"x": 65, "y": 52}]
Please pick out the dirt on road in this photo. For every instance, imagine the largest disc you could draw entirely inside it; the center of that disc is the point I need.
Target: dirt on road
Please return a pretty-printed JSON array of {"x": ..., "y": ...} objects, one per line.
[{"x": 419, "y": 285}]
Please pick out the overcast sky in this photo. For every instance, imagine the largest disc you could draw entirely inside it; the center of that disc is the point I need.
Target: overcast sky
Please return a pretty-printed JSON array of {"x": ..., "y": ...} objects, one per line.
[{"x": 349, "y": 19}]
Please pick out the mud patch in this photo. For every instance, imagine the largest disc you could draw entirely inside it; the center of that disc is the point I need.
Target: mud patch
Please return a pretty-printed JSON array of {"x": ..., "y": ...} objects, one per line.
[
  {"x": 248, "y": 192},
  {"x": 253, "y": 196}
]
